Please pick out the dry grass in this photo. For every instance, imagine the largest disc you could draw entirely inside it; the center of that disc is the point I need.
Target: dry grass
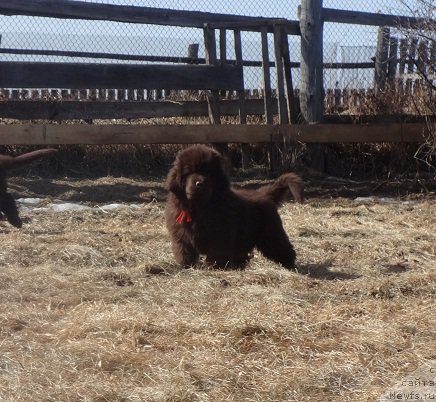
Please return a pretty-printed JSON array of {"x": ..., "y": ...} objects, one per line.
[{"x": 93, "y": 307}]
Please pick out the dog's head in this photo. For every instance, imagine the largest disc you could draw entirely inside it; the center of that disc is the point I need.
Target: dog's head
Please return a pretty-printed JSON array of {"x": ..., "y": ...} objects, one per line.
[{"x": 197, "y": 174}]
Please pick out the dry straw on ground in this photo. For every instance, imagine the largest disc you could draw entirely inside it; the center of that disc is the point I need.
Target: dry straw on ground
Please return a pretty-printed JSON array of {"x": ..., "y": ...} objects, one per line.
[{"x": 93, "y": 307}]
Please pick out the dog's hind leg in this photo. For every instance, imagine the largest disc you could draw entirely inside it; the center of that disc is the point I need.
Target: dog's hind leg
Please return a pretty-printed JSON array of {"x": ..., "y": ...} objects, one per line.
[
  {"x": 9, "y": 208},
  {"x": 274, "y": 243}
]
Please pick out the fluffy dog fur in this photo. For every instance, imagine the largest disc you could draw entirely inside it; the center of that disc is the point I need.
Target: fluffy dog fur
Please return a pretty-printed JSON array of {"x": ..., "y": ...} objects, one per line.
[
  {"x": 205, "y": 215},
  {"x": 7, "y": 162}
]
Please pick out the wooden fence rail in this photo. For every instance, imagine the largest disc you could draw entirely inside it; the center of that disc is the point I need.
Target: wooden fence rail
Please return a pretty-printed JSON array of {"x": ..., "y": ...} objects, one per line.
[
  {"x": 62, "y": 105},
  {"x": 46, "y": 134},
  {"x": 96, "y": 76},
  {"x": 93, "y": 90},
  {"x": 67, "y": 9}
]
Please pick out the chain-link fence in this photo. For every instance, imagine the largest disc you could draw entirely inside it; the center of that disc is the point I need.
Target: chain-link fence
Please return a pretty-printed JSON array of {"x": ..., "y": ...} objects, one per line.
[{"x": 343, "y": 43}]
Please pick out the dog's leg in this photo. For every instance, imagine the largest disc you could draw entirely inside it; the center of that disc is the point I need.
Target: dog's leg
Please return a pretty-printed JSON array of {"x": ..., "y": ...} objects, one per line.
[
  {"x": 9, "y": 208},
  {"x": 274, "y": 243},
  {"x": 219, "y": 260},
  {"x": 278, "y": 248},
  {"x": 184, "y": 253},
  {"x": 224, "y": 254},
  {"x": 224, "y": 260},
  {"x": 240, "y": 261}
]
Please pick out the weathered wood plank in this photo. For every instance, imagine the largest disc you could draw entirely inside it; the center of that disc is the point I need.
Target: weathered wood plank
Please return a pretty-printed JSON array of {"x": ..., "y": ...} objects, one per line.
[
  {"x": 355, "y": 133},
  {"x": 393, "y": 61},
  {"x": 268, "y": 104},
  {"x": 290, "y": 27},
  {"x": 130, "y": 134},
  {"x": 241, "y": 93},
  {"x": 411, "y": 64},
  {"x": 52, "y": 134},
  {"x": 311, "y": 70},
  {"x": 71, "y": 110},
  {"x": 223, "y": 51},
  {"x": 67, "y": 9},
  {"x": 161, "y": 59},
  {"x": 375, "y": 19},
  {"x": 211, "y": 59},
  {"x": 68, "y": 110},
  {"x": 126, "y": 76},
  {"x": 280, "y": 81},
  {"x": 241, "y": 96},
  {"x": 381, "y": 59},
  {"x": 402, "y": 65},
  {"x": 291, "y": 104}
]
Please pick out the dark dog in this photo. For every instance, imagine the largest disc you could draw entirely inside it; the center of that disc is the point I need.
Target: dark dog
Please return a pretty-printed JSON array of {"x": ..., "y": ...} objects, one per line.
[
  {"x": 204, "y": 215},
  {"x": 7, "y": 162}
]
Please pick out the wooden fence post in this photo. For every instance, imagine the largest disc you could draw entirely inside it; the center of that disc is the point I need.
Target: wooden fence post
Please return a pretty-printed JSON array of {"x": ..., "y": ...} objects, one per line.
[
  {"x": 311, "y": 70},
  {"x": 213, "y": 96},
  {"x": 381, "y": 59},
  {"x": 402, "y": 65},
  {"x": 280, "y": 81},
  {"x": 392, "y": 62},
  {"x": 193, "y": 56},
  {"x": 193, "y": 52},
  {"x": 411, "y": 66},
  {"x": 241, "y": 96},
  {"x": 267, "y": 95}
]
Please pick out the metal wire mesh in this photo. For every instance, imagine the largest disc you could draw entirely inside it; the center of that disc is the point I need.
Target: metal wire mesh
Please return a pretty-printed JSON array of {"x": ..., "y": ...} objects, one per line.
[{"x": 342, "y": 42}]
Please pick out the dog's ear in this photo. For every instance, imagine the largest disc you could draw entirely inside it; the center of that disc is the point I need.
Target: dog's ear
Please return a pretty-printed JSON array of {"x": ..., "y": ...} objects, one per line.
[
  {"x": 221, "y": 170},
  {"x": 173, "y": 182}
]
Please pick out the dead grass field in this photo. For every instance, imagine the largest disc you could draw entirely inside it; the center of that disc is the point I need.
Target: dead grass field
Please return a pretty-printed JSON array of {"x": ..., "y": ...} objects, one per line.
[{"x": 93, "y": 307}]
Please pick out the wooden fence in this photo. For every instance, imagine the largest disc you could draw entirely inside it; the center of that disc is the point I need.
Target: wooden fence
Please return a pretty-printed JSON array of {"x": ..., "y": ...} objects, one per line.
[
  {"x": 402, "y": 64},
  {"x": 102, "y": 83}
]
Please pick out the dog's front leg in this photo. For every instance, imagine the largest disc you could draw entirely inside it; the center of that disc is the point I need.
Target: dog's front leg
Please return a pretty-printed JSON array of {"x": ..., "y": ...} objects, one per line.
[{"x": 184, "y": 253}]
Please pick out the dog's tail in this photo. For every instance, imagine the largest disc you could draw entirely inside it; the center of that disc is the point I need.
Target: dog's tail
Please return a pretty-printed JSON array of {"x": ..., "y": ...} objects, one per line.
[
  {"x": 278, "y": 191},
  {"x": 12, "y": 162}
]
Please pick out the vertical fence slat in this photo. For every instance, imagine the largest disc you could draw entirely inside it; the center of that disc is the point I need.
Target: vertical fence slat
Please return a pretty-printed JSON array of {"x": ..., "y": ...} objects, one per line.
[
  {"x": 381, "y": 59},
  {"x": 102, "y": 94},
  {"x": 422, "y": 60},
  {"x": 130, "y": 94},
  {"x": 241, "y": 92},
  {"x": 241, "y": 95},
  {"x": 211, "y": 58},
  {"x": 411, "y": 65},
  {"x": 402, "y": 65},
  {"x": 283, "y": 109},
  {"x": 267, "y": 96},
  {"x": 292, "y": 112},
  {"x": 223, "y": 51},
  {"x": 393, "y": 61},
  {"x": 140, "y": 94},
  {"x": 111, "y": 95},
  {"x": 212, "y": 95}
]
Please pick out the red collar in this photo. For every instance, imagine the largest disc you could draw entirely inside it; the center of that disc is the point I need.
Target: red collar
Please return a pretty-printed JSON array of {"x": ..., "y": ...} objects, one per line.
[{"x": 184, "y": 216}]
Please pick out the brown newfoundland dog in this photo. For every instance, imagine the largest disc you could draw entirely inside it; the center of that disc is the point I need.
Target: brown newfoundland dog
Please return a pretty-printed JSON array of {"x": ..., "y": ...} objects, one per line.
[
  {"x": 8, "y": 162},
  {"x": 205, "y": 215}
]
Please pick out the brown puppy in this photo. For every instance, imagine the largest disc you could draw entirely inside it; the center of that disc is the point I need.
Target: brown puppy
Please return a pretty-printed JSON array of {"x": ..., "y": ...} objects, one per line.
[
  {"x": 7, "y": 162},
  {"x": 205, "y": 215}
]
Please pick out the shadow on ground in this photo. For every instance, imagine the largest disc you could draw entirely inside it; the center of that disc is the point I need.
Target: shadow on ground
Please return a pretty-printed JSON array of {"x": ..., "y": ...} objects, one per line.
[
  {"x": 322, "y": 271},
  {"x": 95, "y": 191},
  {"x": 122, "y": 189}
]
